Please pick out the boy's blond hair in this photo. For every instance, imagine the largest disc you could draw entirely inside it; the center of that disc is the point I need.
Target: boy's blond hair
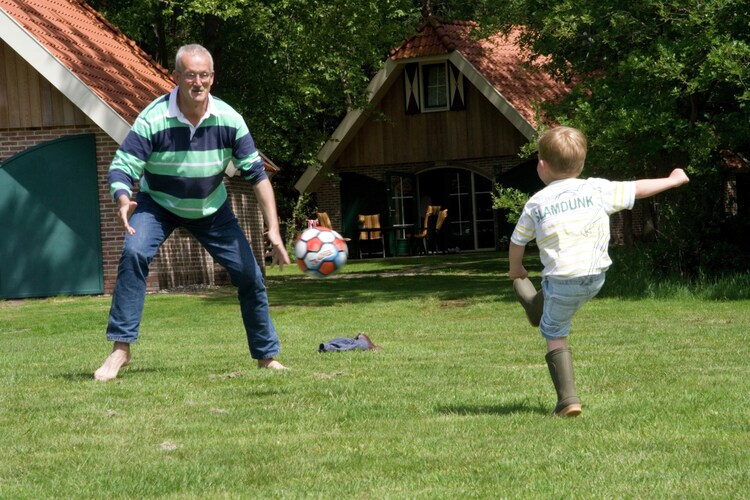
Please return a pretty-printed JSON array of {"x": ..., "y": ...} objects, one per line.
[{"x": 563, "y": 149}]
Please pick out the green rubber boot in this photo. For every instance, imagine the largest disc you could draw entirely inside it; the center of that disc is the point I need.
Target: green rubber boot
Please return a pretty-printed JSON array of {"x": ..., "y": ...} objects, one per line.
[
  {"x": 531, "y": 299},
  {"x": 560, "y": 363}
]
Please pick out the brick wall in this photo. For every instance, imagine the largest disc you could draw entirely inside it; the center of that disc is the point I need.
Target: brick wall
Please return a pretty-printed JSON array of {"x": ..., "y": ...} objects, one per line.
[{"x": 181, "y": 261}]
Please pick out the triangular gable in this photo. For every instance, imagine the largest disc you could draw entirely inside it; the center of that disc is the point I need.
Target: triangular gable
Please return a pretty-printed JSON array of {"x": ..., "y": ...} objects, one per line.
[
  {"x": 496, "y": 67},
  {"x": 99, "y": 69},
  {"x": 499, "y": 61},
  {"x": 87, "y": 59}
]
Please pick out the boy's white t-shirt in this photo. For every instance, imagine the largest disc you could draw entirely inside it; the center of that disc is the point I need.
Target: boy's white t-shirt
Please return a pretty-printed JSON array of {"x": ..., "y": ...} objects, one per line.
[{"x": 569, "y": 219}]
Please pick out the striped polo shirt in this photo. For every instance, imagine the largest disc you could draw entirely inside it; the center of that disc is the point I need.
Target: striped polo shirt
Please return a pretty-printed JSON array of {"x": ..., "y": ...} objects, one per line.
[
  {"x": 182, "y": 166},
  {"x": 569, "y": 219}
]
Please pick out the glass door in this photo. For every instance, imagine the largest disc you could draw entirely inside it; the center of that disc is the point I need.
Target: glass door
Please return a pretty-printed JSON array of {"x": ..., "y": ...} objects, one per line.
[
  {"x": 401, "y": 192},
  {"x": 484, "y": 216},
  {"x": 468, "y": 198}
]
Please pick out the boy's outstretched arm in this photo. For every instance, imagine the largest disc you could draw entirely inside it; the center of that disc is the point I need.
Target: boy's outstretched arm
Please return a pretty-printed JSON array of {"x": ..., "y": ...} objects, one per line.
[
  {"x": 649, "y": 187},
  {"x": 515, "y": 258}
]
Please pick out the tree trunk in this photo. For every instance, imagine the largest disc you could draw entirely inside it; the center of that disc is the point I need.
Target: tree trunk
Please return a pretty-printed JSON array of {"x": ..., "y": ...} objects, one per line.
[
  {"x": 211, "y": 29},
  {"x": 627, "y": 228}
]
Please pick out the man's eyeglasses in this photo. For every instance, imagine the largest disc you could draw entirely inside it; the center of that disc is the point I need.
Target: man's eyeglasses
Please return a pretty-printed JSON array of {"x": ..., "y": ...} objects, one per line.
[{"x": 191, "y": 77}]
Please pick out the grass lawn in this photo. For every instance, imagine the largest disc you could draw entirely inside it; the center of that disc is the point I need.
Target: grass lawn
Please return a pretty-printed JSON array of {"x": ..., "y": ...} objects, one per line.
[{"x": 457, "y": 404}]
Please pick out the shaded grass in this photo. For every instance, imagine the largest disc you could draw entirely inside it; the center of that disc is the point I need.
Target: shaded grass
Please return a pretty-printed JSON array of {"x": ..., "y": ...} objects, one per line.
[{"x": 456, "y": 405}]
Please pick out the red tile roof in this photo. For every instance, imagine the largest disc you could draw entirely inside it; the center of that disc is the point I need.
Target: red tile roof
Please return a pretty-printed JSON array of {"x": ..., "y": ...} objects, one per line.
[
  {"x": 109, "y": 63},
  {"x": 499, "y": 58},
  {"x": 103, "y": 58}
]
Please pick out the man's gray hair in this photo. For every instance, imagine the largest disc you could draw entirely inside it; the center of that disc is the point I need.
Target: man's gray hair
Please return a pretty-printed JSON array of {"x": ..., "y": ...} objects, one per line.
[{"x": 192, "y": 49}]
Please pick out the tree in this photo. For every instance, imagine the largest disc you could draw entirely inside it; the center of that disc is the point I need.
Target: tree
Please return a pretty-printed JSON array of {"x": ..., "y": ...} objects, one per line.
[
  {"x": 293, "y": 68},
  {"x": 659, "y": 84}
]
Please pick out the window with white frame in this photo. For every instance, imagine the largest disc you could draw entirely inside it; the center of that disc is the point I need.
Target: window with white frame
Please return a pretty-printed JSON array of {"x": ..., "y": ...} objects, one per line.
[{"x": 435, "y": 86}]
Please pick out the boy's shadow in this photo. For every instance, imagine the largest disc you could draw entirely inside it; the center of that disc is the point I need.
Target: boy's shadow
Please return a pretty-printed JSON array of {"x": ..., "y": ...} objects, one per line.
[{"x": 499, "y": 409}]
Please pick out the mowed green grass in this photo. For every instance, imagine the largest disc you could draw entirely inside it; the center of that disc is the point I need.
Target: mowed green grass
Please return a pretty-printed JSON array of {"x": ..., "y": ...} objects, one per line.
[{"x": 457, "y": 404}]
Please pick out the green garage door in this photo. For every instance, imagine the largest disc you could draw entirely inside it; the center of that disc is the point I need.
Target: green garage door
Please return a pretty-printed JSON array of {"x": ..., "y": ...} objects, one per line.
[{"x": 49, "y": 210}]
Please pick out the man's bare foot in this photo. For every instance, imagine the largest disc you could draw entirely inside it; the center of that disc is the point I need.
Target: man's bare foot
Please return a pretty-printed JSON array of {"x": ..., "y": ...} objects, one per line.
[
  {"x": 111, "y": 367},
  {"x": 271, "y": 363}
]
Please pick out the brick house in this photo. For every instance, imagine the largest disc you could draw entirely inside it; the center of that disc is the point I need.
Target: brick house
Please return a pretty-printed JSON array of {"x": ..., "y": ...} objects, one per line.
[
  {"x": 71, "y": 85},
  {"x": 448, "y": 117}
]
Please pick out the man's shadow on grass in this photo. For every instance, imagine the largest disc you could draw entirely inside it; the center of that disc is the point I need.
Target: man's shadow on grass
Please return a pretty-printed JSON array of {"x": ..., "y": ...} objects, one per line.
[
  {"x": 89, "y": 375},
  {"x": 499, "y": 409}
]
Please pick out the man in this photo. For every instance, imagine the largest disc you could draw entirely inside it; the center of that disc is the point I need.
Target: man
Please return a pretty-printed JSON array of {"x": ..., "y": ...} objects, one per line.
[{"x": 179, "y": 147}]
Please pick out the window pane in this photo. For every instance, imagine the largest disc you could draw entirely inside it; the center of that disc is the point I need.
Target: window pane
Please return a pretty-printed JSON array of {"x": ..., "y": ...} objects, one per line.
[
  {"x": 402, "y": 202},
  {"x": 436, "y": 86},
  {"x": 484, "y": 206}
]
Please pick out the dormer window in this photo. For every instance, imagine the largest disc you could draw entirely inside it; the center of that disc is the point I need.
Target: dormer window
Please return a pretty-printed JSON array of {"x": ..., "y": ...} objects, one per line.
[{"x": 435, "y": 88}]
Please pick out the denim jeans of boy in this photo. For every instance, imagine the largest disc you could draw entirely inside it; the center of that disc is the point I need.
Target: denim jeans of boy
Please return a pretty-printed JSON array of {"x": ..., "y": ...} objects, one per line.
[
  {"x": 562, "y": 299},
  {"x": 221, "y": 235}
]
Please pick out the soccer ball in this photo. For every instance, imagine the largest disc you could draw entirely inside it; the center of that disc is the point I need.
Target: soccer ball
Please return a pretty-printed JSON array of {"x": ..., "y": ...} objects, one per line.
[{"x": 320, "y": 252}]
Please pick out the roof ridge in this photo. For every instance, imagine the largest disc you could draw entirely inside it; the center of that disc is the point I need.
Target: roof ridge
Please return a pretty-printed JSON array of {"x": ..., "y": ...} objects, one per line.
[
  {"x": 119, "y": 34},
  {"x": 439, "y": 26},
  {"x": 443, "y": 36}
]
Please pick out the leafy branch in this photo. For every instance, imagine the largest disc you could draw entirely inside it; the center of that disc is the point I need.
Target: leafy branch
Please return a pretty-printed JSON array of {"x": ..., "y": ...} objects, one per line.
[{"x": 510, "y": 199}]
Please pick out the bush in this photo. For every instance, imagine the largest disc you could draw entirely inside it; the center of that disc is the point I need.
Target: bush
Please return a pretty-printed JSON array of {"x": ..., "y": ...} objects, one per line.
[
  {"x": 634, "y": 275},
  {"x": 511, "y": 200}
]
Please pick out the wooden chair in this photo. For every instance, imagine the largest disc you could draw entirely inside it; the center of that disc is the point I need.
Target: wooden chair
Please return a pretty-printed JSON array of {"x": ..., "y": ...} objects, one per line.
[
  {"x": 369, "y": 224},
  {"x": 441, "y": 235},
  {"x": 427, "y": 234},
  {"x": 325, "y": 221}
]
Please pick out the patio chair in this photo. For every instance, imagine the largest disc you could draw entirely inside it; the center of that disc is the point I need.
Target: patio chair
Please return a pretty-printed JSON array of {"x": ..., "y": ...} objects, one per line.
[
  {"x": 427, "y": 234},
  {"x": 369, "y": 233},
  {"x": 441, "y": 232},
  {"x": 325, "y": 221}
]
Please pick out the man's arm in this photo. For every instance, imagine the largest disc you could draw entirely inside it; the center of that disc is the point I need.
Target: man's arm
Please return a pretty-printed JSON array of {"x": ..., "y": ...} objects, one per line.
[
  {"x": 650, "y": 187},
  {"x": 267, "y": 202}
]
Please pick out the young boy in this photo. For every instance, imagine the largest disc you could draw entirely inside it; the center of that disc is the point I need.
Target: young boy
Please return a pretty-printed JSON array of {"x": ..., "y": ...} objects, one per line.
[{"x": 569, "y": 219}]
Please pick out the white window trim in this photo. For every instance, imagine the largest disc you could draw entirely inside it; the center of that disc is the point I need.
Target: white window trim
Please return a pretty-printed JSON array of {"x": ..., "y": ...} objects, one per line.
[{"x": 423, "y": 81}]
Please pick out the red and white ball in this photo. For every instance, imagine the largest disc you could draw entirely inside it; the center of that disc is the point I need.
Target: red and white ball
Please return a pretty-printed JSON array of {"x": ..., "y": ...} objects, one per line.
[{"x": 320, "y": 252}]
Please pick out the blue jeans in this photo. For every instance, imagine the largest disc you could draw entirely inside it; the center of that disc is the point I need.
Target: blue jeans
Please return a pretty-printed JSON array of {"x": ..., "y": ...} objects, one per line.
[
  {"x": 221, "y": 235},
  {"x": 562, "y": 299}
]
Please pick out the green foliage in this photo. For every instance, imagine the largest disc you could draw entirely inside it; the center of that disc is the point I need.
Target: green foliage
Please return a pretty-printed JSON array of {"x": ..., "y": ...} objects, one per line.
[
  {"x": 292, "y": 68},
  {"x": 304, "y": 209},
  {"x": 633, "y": 275},
  {"x": 310, "y": 63},
  {"x": 659, "y": 84},
  {"x": 511, "y": 200}
]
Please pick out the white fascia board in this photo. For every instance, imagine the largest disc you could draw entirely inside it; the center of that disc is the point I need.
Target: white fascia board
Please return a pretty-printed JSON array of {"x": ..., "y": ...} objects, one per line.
[
  {"x": 348, "y": 128},
  {"x": 62, "y": 78},
  {"x": 492, "y": 94},
  {"x": 306, "y": 181}
]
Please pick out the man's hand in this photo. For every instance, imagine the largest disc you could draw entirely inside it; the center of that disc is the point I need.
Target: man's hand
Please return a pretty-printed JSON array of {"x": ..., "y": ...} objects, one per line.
[
  {"x": 127, "y": 206},
  {"x": 277, "y": 251}
]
